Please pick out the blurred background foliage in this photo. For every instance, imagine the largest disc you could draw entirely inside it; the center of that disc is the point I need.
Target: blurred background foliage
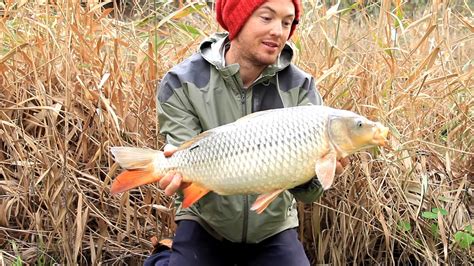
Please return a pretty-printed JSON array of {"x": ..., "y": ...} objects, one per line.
[{"x": 77, "y": 77}]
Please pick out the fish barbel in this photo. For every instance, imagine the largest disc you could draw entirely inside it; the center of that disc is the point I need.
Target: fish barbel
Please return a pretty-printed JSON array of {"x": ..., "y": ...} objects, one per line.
[{"x": 263, "y": 153}]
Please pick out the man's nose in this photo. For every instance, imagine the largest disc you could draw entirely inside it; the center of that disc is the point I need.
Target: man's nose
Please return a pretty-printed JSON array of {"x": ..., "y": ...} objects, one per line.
[{"x": 277, "y": 28}]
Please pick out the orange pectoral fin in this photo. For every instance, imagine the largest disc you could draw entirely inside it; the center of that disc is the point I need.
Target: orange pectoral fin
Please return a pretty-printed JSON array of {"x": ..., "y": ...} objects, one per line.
[
  {"x": 193, "y": 193},
  {"x": 131, "y": 179},
  {"x": 325, "y": 169},
  {"x": 262, "y": 202}
]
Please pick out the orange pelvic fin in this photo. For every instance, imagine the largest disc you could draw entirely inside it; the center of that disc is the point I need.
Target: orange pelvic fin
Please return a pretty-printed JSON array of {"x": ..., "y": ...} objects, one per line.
[
  {"x": 193, "y": 193},
  {"x": 325, "y": 169},
  {"x": 131, "y": 179},
  {"x": 264, "y": 200}
]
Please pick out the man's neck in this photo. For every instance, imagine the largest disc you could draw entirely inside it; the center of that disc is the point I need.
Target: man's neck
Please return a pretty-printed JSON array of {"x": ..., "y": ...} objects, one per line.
[{"x": 248, "y": 72}]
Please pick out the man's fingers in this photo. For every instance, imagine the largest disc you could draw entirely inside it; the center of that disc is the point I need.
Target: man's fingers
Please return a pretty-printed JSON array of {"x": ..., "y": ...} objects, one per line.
[
  {"x": 339, "y": 168},
  {"x": 174, "y": 185},
  {"x": 169, "y": 149},
  {"x": 344, "y": 161},
  {"x": 341, "y": 164},
  {"x": 166, "y": 180}
]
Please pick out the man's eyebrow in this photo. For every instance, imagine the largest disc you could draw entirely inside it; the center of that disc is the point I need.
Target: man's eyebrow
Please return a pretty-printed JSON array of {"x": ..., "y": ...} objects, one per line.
[{"x": 274, "y": 11}]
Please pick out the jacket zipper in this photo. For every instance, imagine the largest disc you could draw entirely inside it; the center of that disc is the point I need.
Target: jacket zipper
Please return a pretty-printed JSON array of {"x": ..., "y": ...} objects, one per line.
[
  {"x": 243, "y": 94},
  {"x": 245, "y": 224},
  {"x": 242, "y": 102}
]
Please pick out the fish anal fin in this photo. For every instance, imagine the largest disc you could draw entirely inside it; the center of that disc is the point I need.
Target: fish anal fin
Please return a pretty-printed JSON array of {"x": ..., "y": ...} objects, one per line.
[
  {"x": 193, "y": 193},
  {"x": 262, "y": 202},
  {"x": 131, "y": 179},
  {"x": 325, "y": 169}
]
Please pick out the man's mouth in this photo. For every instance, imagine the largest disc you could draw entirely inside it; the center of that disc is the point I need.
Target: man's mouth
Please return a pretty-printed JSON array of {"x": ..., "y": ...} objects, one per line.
[{"x": 270, "y": 44}]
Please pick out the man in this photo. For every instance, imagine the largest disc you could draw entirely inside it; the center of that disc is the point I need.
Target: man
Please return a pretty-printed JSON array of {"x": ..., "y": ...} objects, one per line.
[{"x": 247, "y": 70}]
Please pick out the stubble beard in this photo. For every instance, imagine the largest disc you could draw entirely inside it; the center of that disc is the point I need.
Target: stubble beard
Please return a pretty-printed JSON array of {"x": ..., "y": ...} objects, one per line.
[
  {"x": 256, "y": 58},
  {"x": 262, "y": 60}
]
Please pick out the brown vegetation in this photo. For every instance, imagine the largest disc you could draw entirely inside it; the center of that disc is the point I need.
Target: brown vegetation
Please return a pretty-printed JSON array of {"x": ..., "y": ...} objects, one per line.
[{"x": 74, "y": 81}]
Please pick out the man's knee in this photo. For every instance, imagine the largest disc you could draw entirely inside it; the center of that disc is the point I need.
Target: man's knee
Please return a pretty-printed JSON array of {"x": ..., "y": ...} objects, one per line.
[
  {"x": 161, "y": 258},
  {"x": 283, "y": 249}
]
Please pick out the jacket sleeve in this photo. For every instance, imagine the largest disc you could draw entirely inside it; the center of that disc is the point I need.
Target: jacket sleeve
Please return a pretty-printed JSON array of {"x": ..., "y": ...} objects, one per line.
[
  {"x": 311, "y": 190},
  {"x": 308, "y": 94},
  {"x": 176, "y": 116}
]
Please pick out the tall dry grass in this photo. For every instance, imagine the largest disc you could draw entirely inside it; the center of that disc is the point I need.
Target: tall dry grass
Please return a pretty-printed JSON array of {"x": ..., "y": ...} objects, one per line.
[{"x": 75, "y": 80}]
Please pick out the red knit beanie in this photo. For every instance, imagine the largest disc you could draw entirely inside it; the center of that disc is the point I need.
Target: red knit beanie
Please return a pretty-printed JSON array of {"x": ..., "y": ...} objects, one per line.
[{"x": 232, "y": 14}]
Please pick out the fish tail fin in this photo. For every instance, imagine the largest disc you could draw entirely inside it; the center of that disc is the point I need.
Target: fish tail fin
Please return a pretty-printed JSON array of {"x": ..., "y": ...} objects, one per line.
[
  {"x": 135, "y": 158},
  {"x": 139, "y": 165},
  {"x": 130, "y": 179},
  {"x": 193, "y": 193}
]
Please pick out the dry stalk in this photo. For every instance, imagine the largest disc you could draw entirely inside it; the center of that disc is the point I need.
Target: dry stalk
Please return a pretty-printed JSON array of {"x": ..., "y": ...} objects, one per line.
[{"x": 75, "y": 80}]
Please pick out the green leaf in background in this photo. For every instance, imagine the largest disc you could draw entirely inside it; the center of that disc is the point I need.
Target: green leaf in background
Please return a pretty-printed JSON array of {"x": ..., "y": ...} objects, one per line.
[
  {"x": 433, "y": 214},
  {"x": 297, "y": 43},
  {"x": 188, "y": 28},
  {"x": 435, "y": 230},
  {"x": 463, "y": 239},
  {"x": 349, "y": 9},
  {"x": 399, "y": 14},
  {"x": 190, "y": 9},
  {"x": 442, "y": 211},
  {"x": 382, "y": 45},
  {"x": 468, "y": 229},
  {"x": 18, "y": 261},
  {"x": 404, "y": 226},
  {"x": 429, "y": 215},
  {"x": 157, "y": 41}
]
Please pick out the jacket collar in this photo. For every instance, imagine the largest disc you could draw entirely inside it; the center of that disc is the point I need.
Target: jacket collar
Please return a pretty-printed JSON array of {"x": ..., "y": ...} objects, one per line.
[{"x": 212, "y": 50}]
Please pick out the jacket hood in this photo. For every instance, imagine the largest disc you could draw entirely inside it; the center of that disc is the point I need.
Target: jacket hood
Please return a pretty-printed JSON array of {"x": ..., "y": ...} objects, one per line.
[{"x": 212, "y": 50}]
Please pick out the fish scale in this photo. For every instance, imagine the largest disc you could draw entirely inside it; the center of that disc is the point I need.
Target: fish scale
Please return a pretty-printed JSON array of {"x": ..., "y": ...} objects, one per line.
[{"x": 263, "y": 153}]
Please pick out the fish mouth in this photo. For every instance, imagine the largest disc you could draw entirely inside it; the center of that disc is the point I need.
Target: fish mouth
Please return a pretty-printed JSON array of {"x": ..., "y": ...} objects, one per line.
[{"x": 380, "y": 135}]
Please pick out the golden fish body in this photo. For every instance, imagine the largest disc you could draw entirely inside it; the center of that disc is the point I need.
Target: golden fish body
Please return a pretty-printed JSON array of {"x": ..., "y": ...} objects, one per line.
[{"x": 264, "y": 152}]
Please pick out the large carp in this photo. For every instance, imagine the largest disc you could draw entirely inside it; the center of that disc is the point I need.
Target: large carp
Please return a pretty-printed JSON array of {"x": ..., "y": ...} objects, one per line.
[{"x": 263, "y": 153}]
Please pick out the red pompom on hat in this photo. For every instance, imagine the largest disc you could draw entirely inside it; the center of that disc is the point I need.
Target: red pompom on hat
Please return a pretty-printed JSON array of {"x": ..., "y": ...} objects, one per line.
[{"x": 232, "y": 14}]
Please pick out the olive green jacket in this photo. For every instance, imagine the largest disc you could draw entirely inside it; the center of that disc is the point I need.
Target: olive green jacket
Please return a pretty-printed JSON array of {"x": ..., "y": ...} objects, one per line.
[{"x": 202, "y": 93}]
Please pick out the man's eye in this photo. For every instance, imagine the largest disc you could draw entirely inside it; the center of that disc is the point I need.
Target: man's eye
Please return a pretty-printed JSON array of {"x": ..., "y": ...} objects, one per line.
[{"x": 287, "y": 24}]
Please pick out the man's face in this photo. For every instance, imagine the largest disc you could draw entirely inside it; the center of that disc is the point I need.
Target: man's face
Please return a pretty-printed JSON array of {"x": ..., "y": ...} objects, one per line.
[{"x": 263, "y": 36}]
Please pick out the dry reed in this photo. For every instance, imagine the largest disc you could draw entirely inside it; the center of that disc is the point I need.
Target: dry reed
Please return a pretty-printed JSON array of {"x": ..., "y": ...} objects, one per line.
[{"x": 75, "y": 80}]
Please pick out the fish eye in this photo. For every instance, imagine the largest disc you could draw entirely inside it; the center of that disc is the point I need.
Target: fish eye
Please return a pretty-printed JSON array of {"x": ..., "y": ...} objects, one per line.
[{"x": 359, "y": 124}]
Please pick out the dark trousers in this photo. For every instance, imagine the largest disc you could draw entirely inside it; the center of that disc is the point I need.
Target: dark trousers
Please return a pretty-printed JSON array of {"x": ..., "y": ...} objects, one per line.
[{"x": 193, "y": 246}]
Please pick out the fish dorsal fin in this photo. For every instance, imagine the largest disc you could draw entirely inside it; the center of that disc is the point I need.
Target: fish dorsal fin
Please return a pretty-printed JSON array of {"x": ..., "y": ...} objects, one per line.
[
  {"x": 195, "y": 139},
  {"x": 253, "y": 115},
  {"x": 222, "y": 128}
]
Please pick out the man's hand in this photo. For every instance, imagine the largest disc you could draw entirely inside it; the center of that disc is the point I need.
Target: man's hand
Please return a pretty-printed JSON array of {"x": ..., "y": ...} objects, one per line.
[
  {"x": 341, "y": 164},
  {"x": 172, "y": 181}
]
